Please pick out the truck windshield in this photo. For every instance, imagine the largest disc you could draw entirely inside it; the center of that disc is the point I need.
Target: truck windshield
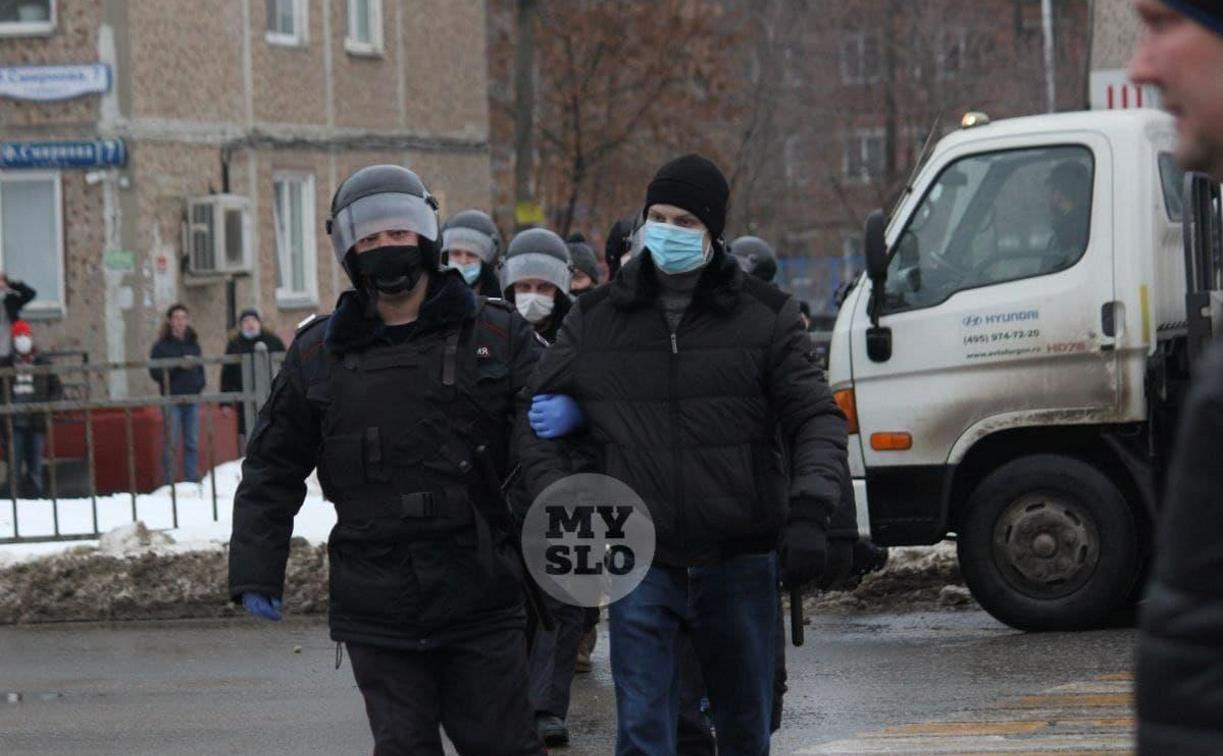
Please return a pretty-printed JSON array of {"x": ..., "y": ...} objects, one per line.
[{"x": 991, "y": 218}]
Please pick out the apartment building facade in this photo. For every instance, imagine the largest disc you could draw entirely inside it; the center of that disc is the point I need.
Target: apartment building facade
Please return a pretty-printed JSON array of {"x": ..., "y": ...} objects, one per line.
[{"x": 161, "y": 151}]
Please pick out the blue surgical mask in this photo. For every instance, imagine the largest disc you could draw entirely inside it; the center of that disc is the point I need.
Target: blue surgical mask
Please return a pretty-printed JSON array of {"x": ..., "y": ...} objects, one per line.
[
  {"x": 675, "y": 249},
  {"x": 470, "y": 271}
]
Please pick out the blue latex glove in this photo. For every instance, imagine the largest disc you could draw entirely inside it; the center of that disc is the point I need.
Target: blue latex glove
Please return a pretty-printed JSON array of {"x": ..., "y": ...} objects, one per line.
[
  {"x": 554, "y": 415},
  {"x": 261, "y": 606}
]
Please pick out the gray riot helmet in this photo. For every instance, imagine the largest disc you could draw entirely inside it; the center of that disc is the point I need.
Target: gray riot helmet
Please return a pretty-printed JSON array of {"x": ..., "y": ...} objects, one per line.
[
  {"x": 474, "y": 231},
  {"x": 382, "y": 198},
  {"x": 755, "y": 256},
  {"x": 585, "y": 260},
  {"x": 537, "y": 253}
]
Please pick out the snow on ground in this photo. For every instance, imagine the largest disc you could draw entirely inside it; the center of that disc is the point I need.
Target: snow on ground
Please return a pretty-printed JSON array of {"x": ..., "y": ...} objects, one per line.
[{"x": 196, "y": 528}]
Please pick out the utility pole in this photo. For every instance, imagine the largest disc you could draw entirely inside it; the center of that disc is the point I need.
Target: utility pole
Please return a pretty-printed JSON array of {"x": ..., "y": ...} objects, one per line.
[
  {"x": 1046, "y": 22},
  {"x": 524, "y": 112}
]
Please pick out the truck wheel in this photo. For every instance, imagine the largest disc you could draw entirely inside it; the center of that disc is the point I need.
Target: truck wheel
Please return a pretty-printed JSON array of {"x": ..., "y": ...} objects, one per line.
[{"x": 1048, "y": 543}]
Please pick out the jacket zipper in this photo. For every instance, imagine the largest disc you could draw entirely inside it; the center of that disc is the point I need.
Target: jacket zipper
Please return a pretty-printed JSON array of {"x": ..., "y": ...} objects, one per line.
[{"x": 680, "y": 518}]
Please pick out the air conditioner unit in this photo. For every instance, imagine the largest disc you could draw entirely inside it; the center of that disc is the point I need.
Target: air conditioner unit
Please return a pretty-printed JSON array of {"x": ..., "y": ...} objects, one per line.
[{"x": 217, "y": 235}]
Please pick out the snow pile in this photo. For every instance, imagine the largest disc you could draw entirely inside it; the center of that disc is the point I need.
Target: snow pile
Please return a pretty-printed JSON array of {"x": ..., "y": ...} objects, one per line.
[
  {"x": 922, "y": 577},
  {"x": 195, "y": 528},
  {"x": 150, "y": 582},
  {"x": 132, "y": 539},
  {"x": 148, "y": 568}
]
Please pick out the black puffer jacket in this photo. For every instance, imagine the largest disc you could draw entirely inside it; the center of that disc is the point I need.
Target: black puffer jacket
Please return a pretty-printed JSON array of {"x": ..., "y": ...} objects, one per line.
[
  {"x": 690, "y": 420},
  {"x": 231, "y": 375},
  {"x": 420, "y": 555},
  {"x": 180, "y": 380},
  {"x": 1180, "y": 641}
]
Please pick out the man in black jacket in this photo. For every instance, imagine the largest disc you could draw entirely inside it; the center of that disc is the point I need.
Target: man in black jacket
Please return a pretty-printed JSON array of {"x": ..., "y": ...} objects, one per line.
[
  {"x": 250, "y": 334},
  {"x": 1180, "y": 642},
  {"x": 405, "y": 400},
  {"x": 685, "y": 369},
  {"x": 180, "y": 422}
]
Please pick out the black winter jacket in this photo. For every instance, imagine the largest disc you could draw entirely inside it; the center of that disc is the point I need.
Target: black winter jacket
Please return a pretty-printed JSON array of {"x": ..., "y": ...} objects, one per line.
[
  {"x": 18, "y": 297},
  {"x": 690, "y": 420},
  {"x": 231, "y": 375},
  {"x": 182, "y": 380},
  {"x": 417, "y": 558},
  {"x": 1180, "y": 641},
  {"x": 23, "y": 388}
]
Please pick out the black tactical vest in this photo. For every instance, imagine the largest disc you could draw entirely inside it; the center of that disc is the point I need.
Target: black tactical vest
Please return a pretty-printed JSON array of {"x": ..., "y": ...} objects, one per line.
[
  {"x": 414, "y": 445},
  {"x": 417, "y": 432}
]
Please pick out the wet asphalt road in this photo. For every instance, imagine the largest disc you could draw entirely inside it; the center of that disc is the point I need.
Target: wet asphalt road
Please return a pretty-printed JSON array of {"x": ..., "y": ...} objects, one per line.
[{"x": 237, "y": 687}]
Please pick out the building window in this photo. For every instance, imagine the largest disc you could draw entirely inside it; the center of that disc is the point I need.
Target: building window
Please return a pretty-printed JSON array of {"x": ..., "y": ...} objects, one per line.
[
  {"x": 22, "y": 17},
  {"x": 287, "y": 22},
  {"x": 296, "y": 254},
  {"x": 364, "y": 27},
  {"x": 861, "y": 59},
  {"x": 864, "y": 158},
  {"x": 31, "y": 237}
]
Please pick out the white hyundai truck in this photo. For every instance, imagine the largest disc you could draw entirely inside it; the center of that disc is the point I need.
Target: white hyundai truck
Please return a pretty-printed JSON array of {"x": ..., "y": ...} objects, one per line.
[{"x": 1013, "y": 361}]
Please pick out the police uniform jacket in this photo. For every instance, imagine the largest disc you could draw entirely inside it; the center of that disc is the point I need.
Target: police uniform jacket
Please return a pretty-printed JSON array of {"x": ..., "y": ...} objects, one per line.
[{"x": 409, "y": 438}]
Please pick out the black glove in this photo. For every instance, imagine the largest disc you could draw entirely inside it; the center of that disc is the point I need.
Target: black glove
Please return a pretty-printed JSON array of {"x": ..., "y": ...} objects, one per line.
[{"x": 804, "y": 551}]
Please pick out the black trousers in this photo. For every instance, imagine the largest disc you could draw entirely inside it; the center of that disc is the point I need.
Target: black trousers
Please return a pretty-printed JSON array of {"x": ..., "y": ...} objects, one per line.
[
  {"x": 475, "y": 689},
  {"x": 553, "y": 656}
]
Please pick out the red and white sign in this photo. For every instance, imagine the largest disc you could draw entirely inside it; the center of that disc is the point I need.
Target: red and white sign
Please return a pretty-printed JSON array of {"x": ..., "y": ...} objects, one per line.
[{"x": 1112, "y": 90}]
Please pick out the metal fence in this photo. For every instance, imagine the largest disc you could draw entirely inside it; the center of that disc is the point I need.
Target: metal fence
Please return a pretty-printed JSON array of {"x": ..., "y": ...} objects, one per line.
[{"x": 86, "y": 394}]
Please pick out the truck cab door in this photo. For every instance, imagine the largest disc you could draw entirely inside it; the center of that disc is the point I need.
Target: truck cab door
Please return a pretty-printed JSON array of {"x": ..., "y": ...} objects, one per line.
[{"x": 1000, "y": 306}]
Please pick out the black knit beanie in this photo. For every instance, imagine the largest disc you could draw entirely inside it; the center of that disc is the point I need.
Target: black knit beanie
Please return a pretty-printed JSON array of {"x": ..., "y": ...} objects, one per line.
[
  {"x": 695, "y": 184},
  {"x": 1208, "y": 13}
]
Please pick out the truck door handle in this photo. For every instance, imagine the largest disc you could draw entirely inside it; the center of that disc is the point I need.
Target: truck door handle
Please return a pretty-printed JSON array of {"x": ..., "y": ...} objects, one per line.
[{"x": 1108, "y": 319}]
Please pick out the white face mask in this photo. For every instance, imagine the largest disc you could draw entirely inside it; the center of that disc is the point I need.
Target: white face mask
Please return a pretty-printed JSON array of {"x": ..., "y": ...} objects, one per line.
[
  {"x": 250, "y": 333},
  {"x": 534, "y": 307},
  {"x": 23, "y": 344}
]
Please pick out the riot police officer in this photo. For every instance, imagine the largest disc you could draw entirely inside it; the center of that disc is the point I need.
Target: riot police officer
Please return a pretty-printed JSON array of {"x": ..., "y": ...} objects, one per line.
[
  {"x": 755, "y": 256},
  {"x": 585, "y": 265},
  {"x": 405, "y": 399},
  {"x": 472, "y": 244},
  {"x": 535, "y": 276}
]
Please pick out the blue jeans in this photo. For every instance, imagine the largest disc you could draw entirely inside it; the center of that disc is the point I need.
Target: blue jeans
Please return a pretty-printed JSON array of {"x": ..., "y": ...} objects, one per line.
[
  {"x": 729, "y": 610},
  {"x": 26, "y": 456},
  {"x": 181, "y": 421}
]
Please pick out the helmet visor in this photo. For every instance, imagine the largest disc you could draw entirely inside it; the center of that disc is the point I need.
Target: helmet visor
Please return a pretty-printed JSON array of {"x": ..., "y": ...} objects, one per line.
[
  {"x": 469, "y": 239},
  {"x": 389, "y": 211},
  {"x": 530, "y": 265}
]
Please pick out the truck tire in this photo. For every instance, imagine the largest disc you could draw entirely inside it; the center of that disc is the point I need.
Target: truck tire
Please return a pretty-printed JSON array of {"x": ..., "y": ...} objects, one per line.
[{"x": 1048, "y": 542}]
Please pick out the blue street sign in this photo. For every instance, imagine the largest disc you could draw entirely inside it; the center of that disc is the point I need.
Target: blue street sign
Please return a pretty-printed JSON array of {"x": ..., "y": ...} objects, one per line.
[{"x": 95, "y": 153}]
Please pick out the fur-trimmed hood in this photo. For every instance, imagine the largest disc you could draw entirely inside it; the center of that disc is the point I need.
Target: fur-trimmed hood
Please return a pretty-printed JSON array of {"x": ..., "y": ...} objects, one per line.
[
  {"x": 355, "y": 324},
  {"x": 718, "y": 288}
]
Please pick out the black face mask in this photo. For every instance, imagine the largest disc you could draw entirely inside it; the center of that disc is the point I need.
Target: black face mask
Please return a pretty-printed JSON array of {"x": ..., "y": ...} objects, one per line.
[{"x": 389, "y": 270}]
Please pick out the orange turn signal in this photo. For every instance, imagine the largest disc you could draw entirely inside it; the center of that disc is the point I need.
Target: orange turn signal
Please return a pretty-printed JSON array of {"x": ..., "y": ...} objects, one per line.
[
  {"x": 845, "y": 400},
  {"x": 891, "y": 441}
]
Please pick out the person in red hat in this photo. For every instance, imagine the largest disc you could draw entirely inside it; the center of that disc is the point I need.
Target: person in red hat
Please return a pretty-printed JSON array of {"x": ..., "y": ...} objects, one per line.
[{"x": 24, "y": 451}]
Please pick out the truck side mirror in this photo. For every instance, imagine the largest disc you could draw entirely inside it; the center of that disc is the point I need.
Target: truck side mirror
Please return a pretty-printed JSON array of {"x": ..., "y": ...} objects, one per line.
[
  {"x": 878, "y": 340},
  {"x": 875, "y": 248}
]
